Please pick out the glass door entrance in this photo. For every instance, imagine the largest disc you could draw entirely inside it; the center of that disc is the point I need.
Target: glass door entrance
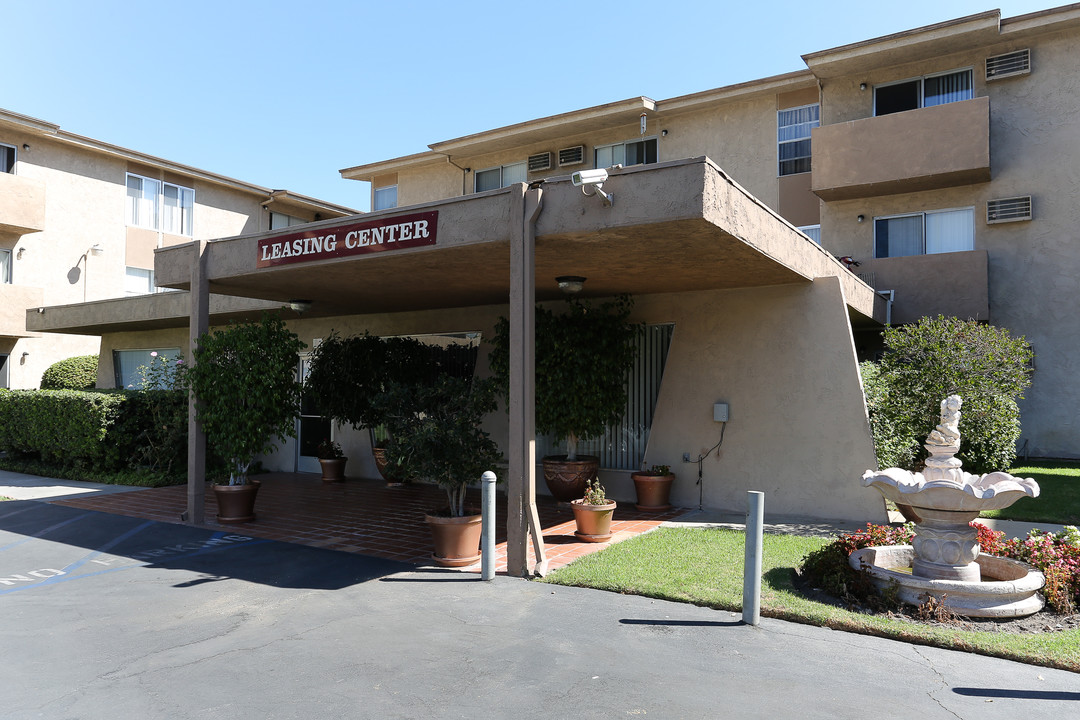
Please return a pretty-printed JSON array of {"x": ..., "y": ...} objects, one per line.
[{"x": 312, "y": 428}]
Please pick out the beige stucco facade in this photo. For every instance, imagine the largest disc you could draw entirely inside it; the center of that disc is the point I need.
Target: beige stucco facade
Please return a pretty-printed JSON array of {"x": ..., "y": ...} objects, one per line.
[{"x": 67, "y": 194}]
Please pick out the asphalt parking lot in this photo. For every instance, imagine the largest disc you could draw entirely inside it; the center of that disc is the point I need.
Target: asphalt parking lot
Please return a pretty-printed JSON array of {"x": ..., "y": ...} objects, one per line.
[{"x": 106, "y": 616}]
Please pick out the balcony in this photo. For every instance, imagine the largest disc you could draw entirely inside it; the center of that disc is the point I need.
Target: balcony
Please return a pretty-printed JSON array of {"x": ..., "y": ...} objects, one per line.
[
  {"x": 925, "y": 149},
  {"x": 22, "y": 204},
  {"x": 955, "y": 284},
  {"x": 15, "y": 300}
]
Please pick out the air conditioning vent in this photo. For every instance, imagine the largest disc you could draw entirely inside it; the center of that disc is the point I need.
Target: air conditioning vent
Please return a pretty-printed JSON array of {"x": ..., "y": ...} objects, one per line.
[
  {"x": 540, "y": 161},
  {"x": 1008, "y": 209},
  {"x": 1009, "y": 64},
  {"x": 572, "y": 155}
]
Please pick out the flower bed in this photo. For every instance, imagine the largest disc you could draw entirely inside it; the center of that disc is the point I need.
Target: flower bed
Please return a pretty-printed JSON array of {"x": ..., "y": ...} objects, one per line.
[{"x": 1056, "y": 555}]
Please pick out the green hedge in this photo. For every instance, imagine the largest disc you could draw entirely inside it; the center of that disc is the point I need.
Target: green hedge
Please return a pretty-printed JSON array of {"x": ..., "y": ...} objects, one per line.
[
  {"x": 111, "y": 429},
  {"x": 74, "y": 373},
  {"x": 65, "y": 426}
]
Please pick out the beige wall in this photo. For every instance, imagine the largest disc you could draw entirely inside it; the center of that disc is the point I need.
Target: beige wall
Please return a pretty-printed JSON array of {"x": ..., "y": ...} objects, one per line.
[
  {"x": 724, "y": 349},
  {"x": 84, "y": 205},
  {"x": 1033, "y": 265}
]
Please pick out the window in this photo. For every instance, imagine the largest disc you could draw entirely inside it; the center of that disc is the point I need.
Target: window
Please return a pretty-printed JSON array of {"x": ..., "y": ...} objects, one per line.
[
  {"x": 793, "y": 128},
  {"x": 922, "y": 92},
  {"x": 138, "y": 281},
  {"x": 159, "y": 205},
  {"x": 7, "y": 158},
  {"x": 279, "y": 221},
  {"x": 812, "y": 231},
  {"x": 641, "y": 152},
  {"x": 925, "y": 233},
  {"x": 495, "y": 178},
  {"x": 385, "y": 198},
  {"x": 622, "y": 446},
  {"x": 129, "y": 365},
  {"x": 5, "y": 267}
]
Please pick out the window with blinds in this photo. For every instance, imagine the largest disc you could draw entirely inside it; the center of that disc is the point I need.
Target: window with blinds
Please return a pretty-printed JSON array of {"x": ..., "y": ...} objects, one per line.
[
  {"x": 622, "y": 447},
  {"x": 793, "y": 128},
  {"x": 926, "y": 91}
]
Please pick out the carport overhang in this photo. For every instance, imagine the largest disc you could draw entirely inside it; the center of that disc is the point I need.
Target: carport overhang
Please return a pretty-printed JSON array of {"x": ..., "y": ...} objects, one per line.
[{"x": 673, "y": 227}]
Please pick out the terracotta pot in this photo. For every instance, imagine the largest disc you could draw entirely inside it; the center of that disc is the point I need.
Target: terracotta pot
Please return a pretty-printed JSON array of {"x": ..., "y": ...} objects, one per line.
[
  {"x": 457, "y": 539},
  {"x": 333, "y": 469},
  {"x": 593, "y": 521},
  {"x": 566, "y": 479},
  {"x": 653, "y": 491},
  {"x": 236, "y": 503},
  {"x": 380, "y": 465}
]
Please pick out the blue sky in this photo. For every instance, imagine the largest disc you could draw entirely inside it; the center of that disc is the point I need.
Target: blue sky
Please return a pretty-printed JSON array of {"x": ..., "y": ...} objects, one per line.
[{"x": 285, "y": 94}]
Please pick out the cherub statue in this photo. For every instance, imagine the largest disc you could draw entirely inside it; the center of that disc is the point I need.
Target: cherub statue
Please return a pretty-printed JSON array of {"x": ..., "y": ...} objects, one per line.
[{"x": 947, "y": 433}]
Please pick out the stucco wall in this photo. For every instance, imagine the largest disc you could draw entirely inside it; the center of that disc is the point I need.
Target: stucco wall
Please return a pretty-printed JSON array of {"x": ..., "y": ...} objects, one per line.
[
  {"x": 781, "y": 356},
  {"x": 1033, "y": 265}
]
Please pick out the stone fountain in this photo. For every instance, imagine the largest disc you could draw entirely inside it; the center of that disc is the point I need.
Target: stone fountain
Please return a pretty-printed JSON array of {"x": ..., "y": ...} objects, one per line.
[{"x": 944, "y": 559}]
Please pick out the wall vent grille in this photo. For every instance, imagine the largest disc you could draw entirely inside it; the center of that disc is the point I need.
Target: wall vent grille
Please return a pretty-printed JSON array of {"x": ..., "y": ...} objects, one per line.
[
  {"x": 1008, "y": 65},
  {"x": 540, "y": 161},
  {"x": 572, "y": 155},
  {"x": 1008, "y": 209}
]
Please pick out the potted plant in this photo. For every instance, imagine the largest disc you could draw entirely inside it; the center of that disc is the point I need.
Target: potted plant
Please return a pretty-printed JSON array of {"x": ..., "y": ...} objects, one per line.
[
  {"x": 592, "y": 513},
  {"x": 653, "y": 488},
  {"x": 348, "y": 376},
  {"x": 583, "y": 356},
  {"x": 244, "y": 381},
  {"x": 437, "y": 436},
  {"x": 332, "y": 460}
]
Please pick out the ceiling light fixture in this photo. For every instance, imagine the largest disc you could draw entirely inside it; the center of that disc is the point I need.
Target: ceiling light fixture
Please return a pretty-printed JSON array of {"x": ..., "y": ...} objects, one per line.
[{"x": 570, "y": 284}]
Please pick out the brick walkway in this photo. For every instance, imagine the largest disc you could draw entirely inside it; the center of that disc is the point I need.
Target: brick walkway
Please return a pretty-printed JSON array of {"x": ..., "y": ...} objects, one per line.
[{"x": 367, "y": 517}]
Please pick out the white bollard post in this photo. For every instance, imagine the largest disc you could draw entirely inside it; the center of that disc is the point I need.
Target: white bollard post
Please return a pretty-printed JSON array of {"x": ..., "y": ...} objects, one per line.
[
  {"x": 755, "y": 521},
  {"x": 487, "y": 532}
]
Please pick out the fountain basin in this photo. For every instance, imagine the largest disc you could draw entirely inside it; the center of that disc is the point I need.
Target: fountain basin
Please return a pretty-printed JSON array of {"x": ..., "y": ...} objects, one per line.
[{"x": 1012, "y": 589}]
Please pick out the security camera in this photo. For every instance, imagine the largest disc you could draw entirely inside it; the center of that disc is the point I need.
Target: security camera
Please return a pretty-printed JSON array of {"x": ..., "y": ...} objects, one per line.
[{"x": 589, "y": 177}]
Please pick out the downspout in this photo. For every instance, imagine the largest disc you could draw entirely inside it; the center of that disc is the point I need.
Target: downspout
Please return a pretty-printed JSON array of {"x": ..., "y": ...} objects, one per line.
[{"x": 464, "y": 175}]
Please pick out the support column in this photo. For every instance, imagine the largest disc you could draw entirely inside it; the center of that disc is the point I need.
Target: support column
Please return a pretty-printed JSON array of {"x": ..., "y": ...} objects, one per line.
[
  {"x": 521, "y": 490},
  {"x": 199, "y": 324}
]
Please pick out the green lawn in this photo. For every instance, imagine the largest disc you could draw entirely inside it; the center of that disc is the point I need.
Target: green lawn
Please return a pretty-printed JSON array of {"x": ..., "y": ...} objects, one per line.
[
  {"x": 705, "y": 566},
  {"x": 1059, "y": 494}
]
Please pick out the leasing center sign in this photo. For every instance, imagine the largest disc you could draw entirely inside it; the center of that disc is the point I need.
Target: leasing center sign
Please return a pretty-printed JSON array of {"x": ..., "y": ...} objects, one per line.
[{"x": 382, "y": 235}]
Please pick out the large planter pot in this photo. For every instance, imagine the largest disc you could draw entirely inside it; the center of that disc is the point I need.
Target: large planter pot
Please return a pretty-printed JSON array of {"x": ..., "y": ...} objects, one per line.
[
  {"x": 457, "y": 539},
  {"x": 593, "y": 521},
  {"x": 333, "y": 469},
  {"x": 566, "y": 479},
  {"x": 380, "y": 465},
  {"x": 653, "y": 491},
  {"x": 236, "y": 503}
]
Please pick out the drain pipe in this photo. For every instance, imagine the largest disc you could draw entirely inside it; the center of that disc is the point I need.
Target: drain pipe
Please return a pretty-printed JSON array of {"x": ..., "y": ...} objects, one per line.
[
  {"x": 890, "y": 297},
  {"x": 487, "y": 533}
]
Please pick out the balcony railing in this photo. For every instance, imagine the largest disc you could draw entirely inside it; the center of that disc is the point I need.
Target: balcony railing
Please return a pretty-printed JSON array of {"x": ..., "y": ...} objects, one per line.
[{"x": 925, "y": 149}]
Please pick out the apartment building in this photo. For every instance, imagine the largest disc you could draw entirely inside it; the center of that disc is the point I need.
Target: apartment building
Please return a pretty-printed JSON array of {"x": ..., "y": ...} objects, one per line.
[
  {"x": 768, "y": 230},
  {"x": 939, "y": 162},
  {"x": 80, "y": 220}
]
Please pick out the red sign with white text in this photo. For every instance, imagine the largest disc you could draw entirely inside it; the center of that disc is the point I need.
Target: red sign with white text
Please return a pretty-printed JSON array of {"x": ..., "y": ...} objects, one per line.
[{"x": 381, "y": 235}]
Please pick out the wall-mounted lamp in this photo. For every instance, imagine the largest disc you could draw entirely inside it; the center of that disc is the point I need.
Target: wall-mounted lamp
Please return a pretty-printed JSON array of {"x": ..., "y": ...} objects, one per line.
[
  {"x": 860, "y": 218},
  {"x": 300, "y": 306},
  {"x": 96, "y": 250},
  {"x": 26, "y": 354},
  {"x": 862, "y": 86},
  {"x": 570, "y": 284},
  {"x": 19, "y": 255},
  {"x": 663, "y": 133},
  {"x": 26, "y": 147}
]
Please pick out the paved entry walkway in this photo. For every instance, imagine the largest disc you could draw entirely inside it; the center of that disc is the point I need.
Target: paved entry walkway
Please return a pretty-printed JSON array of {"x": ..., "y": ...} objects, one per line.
[{"x": 366, "y": 517}]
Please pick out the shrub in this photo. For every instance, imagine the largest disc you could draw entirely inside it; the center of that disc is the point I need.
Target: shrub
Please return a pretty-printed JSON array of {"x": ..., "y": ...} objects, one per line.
[
  {"x": 74, "y": 373},
  {"x": 64, "y": 426},
  {"x": 926, "y": 362}
]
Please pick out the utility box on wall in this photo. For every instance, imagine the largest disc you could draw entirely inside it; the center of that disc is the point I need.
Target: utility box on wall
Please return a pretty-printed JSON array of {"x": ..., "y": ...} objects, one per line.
[{"x": 720, "y": 412}]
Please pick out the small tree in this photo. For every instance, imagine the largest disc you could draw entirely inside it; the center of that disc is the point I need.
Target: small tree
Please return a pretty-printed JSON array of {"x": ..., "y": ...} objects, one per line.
[
  {"x": 437, "y": 433},
  {"x": 582, "y": 360},
  {"x": 937, "y": 357},
  {"x": 244, "y": 381},
  {"x": 74, "y": 373}
]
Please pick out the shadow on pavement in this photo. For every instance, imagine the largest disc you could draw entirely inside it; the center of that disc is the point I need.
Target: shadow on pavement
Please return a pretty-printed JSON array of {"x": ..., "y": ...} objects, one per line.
[{"x": 47, "y": 544}]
